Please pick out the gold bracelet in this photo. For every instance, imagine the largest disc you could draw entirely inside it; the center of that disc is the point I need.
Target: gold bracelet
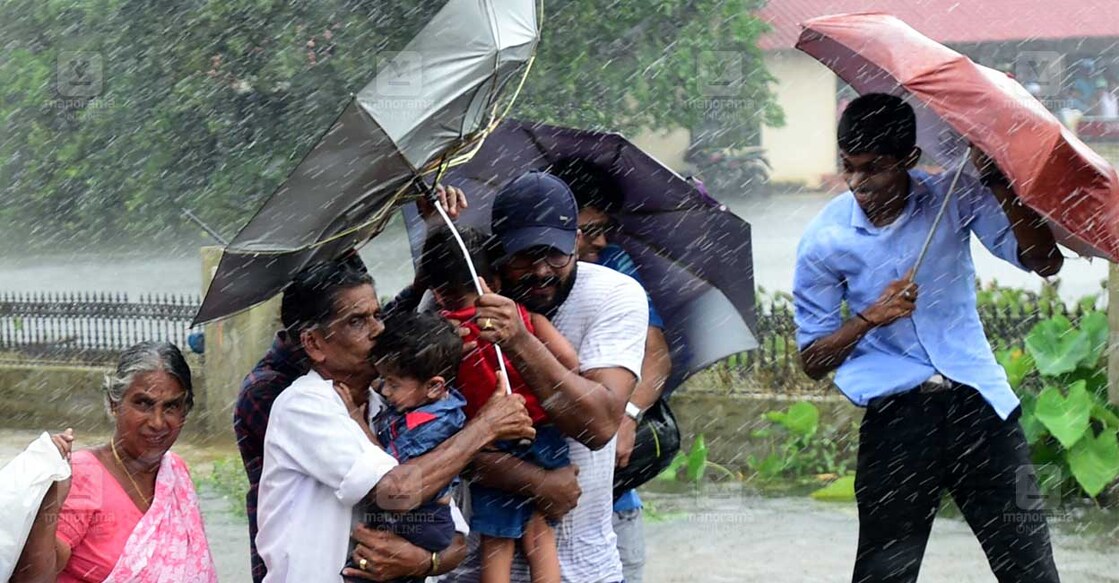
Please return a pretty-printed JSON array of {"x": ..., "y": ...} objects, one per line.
[{"x": 434, "y": 563}]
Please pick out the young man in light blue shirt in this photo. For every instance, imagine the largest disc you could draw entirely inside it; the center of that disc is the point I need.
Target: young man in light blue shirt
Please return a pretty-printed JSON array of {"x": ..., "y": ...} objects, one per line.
[{"x": 940, "y": 413}]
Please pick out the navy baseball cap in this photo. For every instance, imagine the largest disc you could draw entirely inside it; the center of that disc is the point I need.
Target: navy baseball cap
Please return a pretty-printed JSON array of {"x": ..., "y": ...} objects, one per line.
[{"x": 535, "y": 209}]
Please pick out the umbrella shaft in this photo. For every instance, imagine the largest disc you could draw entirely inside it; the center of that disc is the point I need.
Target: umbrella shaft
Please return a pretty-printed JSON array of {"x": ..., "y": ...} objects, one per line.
[
  {"x": 940, "y": 215},
  {"x": 477, "y": 285}
]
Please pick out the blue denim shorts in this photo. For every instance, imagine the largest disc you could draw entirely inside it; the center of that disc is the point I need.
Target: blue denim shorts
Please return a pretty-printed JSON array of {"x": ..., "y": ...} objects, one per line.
[{"x": 497, "y": 513}]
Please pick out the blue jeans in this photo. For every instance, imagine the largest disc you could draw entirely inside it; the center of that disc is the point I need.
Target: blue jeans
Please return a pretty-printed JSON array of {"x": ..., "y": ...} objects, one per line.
[{"x": 497, "y": 513}]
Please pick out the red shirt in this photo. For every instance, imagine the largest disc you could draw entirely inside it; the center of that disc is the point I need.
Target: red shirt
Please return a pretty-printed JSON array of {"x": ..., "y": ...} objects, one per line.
[{"x": 477, "y": 375}]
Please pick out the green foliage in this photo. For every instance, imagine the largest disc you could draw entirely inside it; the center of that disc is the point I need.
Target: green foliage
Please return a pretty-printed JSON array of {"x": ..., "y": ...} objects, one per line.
[
  {"x": 801, "y": 419},
  {"x": 1057, "y": 349},
  {"x": 227, "y": 479},
  {"x": 1068, "y": 422},
  {"x": 694, "y": 462},
  {"x": 839, "y": 490},
  {"x": 1094, "y": 461},
  {"x": 209, "y": 104},
  {"x": 798, "y": 448},
  {"x": 1066, "y": 418}
]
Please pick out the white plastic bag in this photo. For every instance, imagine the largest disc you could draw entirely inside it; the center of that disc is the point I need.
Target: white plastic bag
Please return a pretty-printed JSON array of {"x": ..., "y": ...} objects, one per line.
[{"x": 23, "y": 483}]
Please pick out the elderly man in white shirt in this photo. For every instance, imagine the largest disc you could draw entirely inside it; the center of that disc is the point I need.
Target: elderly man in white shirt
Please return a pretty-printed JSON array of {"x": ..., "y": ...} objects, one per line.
[
  {"x": 320, "y": 456},
  {"x": 605, "y": 315}
]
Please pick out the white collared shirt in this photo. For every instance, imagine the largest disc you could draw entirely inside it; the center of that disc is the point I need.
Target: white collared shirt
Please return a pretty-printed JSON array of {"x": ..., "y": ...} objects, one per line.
[{"x": 318, "y": 463}]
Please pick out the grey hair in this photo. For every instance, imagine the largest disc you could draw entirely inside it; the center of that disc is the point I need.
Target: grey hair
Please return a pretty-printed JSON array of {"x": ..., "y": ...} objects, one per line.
[{"x": 143, "y": 358}]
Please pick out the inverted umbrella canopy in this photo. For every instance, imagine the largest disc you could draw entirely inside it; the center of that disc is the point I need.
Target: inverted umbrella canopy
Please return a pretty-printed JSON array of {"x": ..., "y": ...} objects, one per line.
[
  {"x": 434, "y": 98},
  {"x": 694, "y": 255},
  {"x": 958, "y": 101}
]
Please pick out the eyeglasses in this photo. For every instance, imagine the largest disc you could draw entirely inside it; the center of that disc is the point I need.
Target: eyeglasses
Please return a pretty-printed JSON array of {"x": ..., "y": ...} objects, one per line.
[
  {"x": 599, "y": 229},
  {"x": 554, "y": 258}
]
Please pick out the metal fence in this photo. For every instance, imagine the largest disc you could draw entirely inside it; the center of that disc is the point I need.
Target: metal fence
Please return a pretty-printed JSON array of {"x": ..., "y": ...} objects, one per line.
[
  {"x": 90, "y": 327},
  {"x": 775, "y": 365},
  {"x": 95, "y": 327}
]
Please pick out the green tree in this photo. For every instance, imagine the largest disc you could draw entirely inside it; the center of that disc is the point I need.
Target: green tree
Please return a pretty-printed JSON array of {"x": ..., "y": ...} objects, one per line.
[{"x": 208, "y": 104}]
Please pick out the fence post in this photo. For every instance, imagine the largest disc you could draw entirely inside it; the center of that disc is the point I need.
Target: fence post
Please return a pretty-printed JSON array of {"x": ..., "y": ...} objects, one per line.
[
  {"x": 233, "y": 347},
  {"x": 1113, "y": 336}
]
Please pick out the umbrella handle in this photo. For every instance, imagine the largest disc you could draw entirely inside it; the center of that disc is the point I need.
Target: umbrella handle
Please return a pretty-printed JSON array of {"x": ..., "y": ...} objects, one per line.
[
  {"x": 939, "y": 216},
  {"x": 474, "y": 278}
]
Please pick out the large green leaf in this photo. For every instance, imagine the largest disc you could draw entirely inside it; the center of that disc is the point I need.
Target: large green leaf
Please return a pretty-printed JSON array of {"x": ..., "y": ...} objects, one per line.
[
  {"x": 1094, "y": 330},
  {"x": 1017, "y": 363},
  {"x": 697, "y": 460},
  {"x": 1056, "y": 347},
  {"x": 802, "y": 418},
  {"x": 840, "y": 490},
  {"x": 1031, "y": 425},
  {"x": 769, "y": 467},
  {"x": 669, "y": 473},
  {"x": 1094, "y": 461},
  {"x": 1065, "y": 417},
  {"x": 1103, "y": 413}
]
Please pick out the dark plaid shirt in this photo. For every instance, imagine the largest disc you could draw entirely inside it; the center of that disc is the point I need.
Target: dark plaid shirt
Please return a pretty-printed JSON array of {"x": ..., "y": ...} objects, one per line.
[{"x": 279, "y": 368}]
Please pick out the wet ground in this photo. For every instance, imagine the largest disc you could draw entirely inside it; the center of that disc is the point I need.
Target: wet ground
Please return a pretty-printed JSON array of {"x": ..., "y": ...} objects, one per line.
[{"x": 731, "y": 534}]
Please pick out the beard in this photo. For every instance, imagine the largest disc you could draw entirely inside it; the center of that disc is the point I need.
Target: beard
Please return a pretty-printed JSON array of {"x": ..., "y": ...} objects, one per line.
[{"x": 522, "y": 292}]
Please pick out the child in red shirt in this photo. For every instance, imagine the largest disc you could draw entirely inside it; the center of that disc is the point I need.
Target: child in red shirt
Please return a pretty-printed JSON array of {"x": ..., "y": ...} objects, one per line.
[{"x": 500, "y": 517}]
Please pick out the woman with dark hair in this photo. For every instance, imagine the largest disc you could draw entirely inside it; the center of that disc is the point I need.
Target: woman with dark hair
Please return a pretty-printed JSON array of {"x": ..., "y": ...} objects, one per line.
[{"x": 129, "y": 512}]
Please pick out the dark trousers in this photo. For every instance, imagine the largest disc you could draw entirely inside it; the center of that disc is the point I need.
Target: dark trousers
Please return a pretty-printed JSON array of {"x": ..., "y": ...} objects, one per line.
[{"x": 914, "y": 446}]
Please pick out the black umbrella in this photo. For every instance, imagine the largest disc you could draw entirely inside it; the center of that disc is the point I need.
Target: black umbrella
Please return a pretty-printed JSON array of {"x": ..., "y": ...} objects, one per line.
[{"x": 693, "y": 254}]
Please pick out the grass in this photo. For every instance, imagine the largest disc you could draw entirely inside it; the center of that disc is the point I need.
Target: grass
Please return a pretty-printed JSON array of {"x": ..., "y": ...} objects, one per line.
[{"x": 226, "y": 479}]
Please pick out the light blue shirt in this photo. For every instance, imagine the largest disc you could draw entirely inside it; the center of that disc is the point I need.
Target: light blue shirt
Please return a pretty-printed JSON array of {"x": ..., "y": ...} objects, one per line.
[{"x": 842, "y": 256}]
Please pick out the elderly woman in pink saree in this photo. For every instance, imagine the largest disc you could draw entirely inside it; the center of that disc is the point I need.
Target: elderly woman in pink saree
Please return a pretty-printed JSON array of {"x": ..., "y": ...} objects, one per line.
[{"x": 129, "y": 513}]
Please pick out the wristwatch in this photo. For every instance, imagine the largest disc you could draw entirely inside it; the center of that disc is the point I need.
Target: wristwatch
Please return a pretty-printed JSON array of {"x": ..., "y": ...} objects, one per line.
[{"x": 634, "y": 412}]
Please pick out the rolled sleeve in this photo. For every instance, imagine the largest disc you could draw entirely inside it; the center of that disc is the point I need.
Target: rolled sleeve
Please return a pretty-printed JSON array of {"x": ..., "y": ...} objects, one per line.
[
  {"x": 817, "y": 296},
  {"x": 981, "y": 213},
  {"x": 311, "y": 432},
  {"x": 364, "y": 475}
]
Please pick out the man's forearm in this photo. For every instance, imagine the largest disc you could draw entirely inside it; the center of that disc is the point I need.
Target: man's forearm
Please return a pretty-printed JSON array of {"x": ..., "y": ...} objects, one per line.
[
  {"x": 654, "y": 370},
  {"x": 827, "y": 353},
  {"x": 451, "y": 557},
  {"x": 420, "y": 479},
  {"x": 579, "y": 407},
  {"x": 1037, "y": 248}
]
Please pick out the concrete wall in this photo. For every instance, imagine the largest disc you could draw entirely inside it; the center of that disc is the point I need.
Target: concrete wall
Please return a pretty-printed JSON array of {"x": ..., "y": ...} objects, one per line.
[
  {"x": 803, "y": 151},
  {"x": 51, "y": 398},
  {"x": 667, "y": 146},
  {"x": 233, "y": 347}
]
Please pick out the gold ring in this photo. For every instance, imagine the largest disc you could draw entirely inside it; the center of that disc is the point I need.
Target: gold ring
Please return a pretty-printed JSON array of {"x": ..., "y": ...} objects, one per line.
[
  {"x": 362, "y": 563},
  {"x": 487, "y": 324}
]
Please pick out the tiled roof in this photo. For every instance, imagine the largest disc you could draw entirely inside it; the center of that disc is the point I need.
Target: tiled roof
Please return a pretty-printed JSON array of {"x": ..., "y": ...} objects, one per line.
[{"x": 957, "y": 21}]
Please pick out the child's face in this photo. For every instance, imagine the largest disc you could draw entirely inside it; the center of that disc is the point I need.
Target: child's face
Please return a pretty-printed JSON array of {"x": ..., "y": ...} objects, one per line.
[
  {"x": 876, "y": 180},
  {"x": 405, "y": 392}
]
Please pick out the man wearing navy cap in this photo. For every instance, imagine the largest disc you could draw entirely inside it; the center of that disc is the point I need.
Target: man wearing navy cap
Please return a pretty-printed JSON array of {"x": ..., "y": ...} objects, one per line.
[{"x": 605, "y": 315}]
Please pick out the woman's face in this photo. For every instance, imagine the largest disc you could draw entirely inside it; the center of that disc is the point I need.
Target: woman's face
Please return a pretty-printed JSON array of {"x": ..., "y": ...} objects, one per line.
[{"x": 150, "y": 415}]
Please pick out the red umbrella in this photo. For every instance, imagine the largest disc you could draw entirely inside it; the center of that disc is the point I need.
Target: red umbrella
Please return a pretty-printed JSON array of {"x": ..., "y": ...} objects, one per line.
[{"x": 958, "y": 101}]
